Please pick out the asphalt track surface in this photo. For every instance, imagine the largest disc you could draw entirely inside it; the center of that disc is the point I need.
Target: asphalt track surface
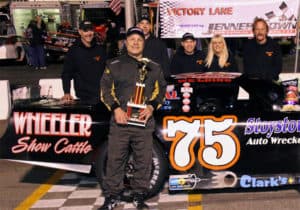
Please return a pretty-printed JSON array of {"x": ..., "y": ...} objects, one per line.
[
  {"x": 26, "y": 187},
  {"x": 36, "y": 188}
]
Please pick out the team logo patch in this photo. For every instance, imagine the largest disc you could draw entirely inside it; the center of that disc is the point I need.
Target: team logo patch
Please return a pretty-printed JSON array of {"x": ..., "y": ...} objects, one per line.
[
  {"x": 97, "y": 58},
  {"x": 268, "y": 53},
  {"x": 200, "y": 62}
]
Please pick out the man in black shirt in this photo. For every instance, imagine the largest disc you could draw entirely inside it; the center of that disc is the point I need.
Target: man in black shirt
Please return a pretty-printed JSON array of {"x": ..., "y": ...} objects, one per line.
[
  {"x": 154, "y": 49},
  {"x": 85, "y": 63},
  {"x": 262, "y": 55},
  {"x": 188, "y": 58}
]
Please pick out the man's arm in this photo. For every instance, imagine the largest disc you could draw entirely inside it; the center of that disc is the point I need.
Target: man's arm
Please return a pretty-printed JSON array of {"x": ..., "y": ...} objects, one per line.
[
  {"x": 175, "y": 65},
  {"x": 277, "y": 60},
  {"x": 158, "y": 94},
  {"x": 246, "y": 58},
  {"x": 68, "y": 74},
  {"x": 109, "y": 98},
  {"x": 157, "y": 97},
  {"x": 165, "y": 61}
]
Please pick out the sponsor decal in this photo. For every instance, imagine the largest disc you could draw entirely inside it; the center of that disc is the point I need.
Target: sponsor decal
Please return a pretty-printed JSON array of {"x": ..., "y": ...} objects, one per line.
[
  {"x": 183, "y": 182},
  {"x": 247, "y": 181},
  {"x": 52, "y": 124},
  {"x": 34, "y": 126},
  {"x": 166, "y": 105},
  {"x": 273, "y": 140},
  {"x": 62, "y": 146},
  {"x": 186, "y": 93},
  {"x": 268, "y": 128},
  {"x": 219, "y": 146},
  {"x": 291, "y": 180},
  {"x": 229, "y": 18},
  {"x": 171, "y": 93},
  {"x": 156, "y": 168}
]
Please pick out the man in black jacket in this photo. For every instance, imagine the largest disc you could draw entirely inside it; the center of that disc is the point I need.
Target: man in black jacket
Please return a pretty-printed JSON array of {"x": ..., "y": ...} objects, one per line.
[
  {"x": 85, "y": 63},
  {"x": 188, "y": 58},
  {"x": 118, "y": 85},
  {"x": 262, "y": 55},
  {"x": 154, "y": 49}
]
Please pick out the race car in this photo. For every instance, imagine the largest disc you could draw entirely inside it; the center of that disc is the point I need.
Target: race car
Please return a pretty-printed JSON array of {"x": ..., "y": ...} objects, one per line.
[
  {"x": 215, "y": 130},
  {"x": 12, "y": 48},
  {"x": 58, "y": 44}
]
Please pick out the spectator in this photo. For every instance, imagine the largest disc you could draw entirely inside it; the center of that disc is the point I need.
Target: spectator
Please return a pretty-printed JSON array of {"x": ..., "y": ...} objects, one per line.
[
  {"x": 219, "y": 58},
  {"x": 262, "y": 55},
  {"x": 64, "y": 27},
  {"x": 117, "y": 47},
  {"x": 37, "y": 33},
  {"x": 188, "y": 58},
  {"x": 28, "y": 49},
  {"x": 117, "y": 85},
  {"x": 154, "y": 49},
  {"x": 85, "y": 63}
]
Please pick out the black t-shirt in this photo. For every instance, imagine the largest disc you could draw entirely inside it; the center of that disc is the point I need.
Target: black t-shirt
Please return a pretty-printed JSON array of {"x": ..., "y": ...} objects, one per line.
[{"x": 262, "y": 60}]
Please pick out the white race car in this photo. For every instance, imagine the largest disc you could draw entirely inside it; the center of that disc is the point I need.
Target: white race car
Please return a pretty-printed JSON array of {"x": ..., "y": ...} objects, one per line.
[{"x": 11, "y": 48}]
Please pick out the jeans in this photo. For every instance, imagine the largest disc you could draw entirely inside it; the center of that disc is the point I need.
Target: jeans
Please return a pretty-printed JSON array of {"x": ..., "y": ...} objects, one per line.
[{"x": 38, "y": 56}]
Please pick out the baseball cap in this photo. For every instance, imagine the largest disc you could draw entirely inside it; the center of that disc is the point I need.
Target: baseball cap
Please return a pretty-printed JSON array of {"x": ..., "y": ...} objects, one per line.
[
  {"x": 145, "y": 17},
  {"x": 135, "y": 30},
  {"x": 86, "y": 25},
  {"x": 187, "y": 36}
]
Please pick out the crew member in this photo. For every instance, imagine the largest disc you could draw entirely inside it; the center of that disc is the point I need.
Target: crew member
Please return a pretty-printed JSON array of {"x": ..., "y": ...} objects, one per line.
[
  {"x": 218, "y": 57},
  {"x": 154, "y": 49},
  {"x": 85, "y": 63},
  {"x": 262, "y": 55},
  {"x": 188, "y": 58}
]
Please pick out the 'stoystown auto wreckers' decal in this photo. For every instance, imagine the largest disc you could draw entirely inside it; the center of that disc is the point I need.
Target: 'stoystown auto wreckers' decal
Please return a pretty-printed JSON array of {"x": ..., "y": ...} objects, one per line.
[
  {"x": 34, "y": 127},
  {"x": 219, "y": 146},
  {"x": 261, "y": 132}
]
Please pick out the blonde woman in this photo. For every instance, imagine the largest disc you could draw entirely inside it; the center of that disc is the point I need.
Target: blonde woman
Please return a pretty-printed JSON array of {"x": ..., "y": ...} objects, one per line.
[{"x": 218, "y": 57}]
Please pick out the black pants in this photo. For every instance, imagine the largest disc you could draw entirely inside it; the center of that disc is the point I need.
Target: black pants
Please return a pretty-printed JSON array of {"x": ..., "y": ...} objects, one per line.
[{"x": 121, "y": 139}]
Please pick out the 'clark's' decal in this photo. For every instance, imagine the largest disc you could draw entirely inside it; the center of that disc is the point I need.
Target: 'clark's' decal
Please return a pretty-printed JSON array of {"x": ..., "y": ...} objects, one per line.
[
  {"x": 30, "y": 125},
  {"x": 219, "y": 146}
]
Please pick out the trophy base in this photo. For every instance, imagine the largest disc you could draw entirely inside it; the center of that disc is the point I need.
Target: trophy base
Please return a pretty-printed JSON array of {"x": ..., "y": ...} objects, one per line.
[{"x": 133, "y": 112}]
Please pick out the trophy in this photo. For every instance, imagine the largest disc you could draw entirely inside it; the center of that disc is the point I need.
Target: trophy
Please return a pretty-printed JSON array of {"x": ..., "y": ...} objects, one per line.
[{"x": 137, "y": 102}]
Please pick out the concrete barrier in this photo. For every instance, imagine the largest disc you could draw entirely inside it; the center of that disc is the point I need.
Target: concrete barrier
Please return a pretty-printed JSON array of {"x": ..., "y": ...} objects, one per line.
[
  {"x": 5, "y": 100},
  {"x": 52, "y": 88}
]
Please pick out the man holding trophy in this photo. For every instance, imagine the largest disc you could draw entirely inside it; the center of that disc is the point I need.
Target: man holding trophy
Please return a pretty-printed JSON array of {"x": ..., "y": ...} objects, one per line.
[{"x": 132, "y": 87}]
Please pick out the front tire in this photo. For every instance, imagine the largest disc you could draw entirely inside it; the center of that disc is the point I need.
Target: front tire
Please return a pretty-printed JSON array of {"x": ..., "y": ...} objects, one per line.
[{"x": 158, "y": 171}]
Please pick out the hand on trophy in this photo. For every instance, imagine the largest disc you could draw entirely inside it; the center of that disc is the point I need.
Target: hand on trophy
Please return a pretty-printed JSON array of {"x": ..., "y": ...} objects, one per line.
[
  {"x": 146, "y": 113},
  {"x": 120, "y": 116}
]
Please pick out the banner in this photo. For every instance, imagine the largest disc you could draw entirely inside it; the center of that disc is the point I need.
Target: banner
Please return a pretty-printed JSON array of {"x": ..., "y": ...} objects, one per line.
[{"x": 231, "y": 18}]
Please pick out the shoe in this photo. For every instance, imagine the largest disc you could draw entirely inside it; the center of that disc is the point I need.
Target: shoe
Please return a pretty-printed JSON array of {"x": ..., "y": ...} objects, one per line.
[
  {"x": 43, "y": 67},
  {"x": 36, "y": 68},
  {"x": 139, "y": 202},
  {"x": 110, "y": 203}
]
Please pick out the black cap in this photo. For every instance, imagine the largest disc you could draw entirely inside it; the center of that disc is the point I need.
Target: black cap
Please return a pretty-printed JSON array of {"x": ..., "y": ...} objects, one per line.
[
  {"x": 187, "y": 36},
  {"x": 135, "y": 30},
  {"x": 145, "y": 17},
  {"x": 86, "y": 25}
]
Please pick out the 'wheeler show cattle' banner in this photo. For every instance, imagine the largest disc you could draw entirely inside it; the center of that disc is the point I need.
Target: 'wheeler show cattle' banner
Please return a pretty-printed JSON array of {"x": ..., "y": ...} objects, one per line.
[{"x": 231, "y": 18}]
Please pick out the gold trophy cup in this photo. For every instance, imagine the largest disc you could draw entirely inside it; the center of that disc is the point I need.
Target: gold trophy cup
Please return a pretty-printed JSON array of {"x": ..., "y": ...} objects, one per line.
[{"x": 137, "y": 102}]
